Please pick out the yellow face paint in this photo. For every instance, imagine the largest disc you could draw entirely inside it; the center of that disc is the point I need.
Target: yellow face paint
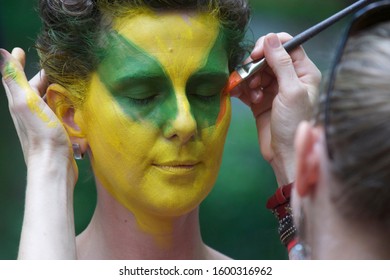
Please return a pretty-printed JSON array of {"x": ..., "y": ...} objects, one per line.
[
  {"x": 159, "y": 164},
  {"x": 32, "y": 99}
]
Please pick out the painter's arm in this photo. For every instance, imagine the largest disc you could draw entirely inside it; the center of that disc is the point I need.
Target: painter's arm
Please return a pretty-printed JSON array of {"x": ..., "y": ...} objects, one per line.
[
  {"x": 48, "y": 225},
  {"x": 280, "y": 97}
]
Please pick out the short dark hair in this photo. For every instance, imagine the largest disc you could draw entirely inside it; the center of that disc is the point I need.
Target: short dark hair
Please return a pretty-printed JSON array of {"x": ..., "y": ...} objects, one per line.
[{"x": 71, "y": 30}]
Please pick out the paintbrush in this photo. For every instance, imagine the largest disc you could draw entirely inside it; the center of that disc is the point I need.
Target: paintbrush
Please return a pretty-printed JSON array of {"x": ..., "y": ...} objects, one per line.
[{"x": 245, "y": 71}]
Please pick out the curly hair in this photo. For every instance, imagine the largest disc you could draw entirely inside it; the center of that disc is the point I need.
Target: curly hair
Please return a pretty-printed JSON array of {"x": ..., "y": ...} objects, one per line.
[{"x": 72, "y": 29}]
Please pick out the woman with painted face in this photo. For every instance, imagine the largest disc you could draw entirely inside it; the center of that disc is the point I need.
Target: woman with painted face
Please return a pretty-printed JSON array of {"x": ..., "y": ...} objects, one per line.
[
  {"x": 341, "y": 199},
  {"x": 139, "y": 87}
]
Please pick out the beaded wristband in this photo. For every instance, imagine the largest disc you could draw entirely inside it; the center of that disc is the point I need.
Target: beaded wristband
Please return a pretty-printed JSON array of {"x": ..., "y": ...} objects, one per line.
[{"x": 279, "y": 204}]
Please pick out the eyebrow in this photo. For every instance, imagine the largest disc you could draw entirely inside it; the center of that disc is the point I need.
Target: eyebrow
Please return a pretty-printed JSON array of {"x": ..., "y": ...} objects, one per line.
[
  {"x": 210, "y": 73},
  {"x": 132, "y": 80},
  {"x": 139, "y": 74}
]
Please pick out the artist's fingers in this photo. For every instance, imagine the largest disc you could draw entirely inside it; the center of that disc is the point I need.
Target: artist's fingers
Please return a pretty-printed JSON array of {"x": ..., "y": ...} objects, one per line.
[
  {"x": 282, "y": 65},
  {"x": 307, "y": 72},
  {"x": 258, "y": 51},
  {"x": 241, "y": 92},
  {"x": 264, "y": 102},
  {"x": 265, "y": 77}
]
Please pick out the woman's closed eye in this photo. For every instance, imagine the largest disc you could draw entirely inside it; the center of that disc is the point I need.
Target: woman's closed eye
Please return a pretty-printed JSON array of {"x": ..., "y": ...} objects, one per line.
[
  {"x": 205, "y": 92},
  {"x": 141, "y": 91},
  {"x": 206, "y": 87},
  {"x": 141, "y": 97}
]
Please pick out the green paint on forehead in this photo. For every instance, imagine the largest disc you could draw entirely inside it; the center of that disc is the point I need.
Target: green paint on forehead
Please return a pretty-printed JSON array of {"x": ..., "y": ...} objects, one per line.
[
  {"x": 142, "y": 88},
  {"x": 134, "y": 78}
]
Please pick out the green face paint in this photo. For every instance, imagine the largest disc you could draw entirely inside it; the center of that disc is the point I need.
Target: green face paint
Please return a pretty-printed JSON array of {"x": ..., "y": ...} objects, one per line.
[
  {"x": 141, "y": 86},
  {"x": 137, "y": 81}
]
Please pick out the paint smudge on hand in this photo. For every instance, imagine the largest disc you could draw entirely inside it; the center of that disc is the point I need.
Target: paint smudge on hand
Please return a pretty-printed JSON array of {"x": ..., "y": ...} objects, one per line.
[{"x": 33, "y": 100}]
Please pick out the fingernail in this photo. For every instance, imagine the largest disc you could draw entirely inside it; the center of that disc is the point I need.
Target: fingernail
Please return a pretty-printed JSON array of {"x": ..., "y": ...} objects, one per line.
[
  {"x": 273, "y": 41},
  {"x": 256, "y": 49}
]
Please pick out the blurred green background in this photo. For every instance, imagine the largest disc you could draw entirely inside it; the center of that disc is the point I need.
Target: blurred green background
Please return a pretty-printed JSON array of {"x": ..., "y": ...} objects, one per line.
[{"x": 234, "y": 219}]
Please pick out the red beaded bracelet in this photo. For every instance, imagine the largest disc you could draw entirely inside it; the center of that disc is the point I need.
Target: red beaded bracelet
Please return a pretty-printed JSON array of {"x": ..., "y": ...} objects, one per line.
[{"x": 280, "y": 206}]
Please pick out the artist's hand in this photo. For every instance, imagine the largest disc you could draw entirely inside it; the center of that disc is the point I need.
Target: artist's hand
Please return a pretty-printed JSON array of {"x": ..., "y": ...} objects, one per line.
[
  {"x": 39, "y": 130},
  {"x": 280, "y": 96}
]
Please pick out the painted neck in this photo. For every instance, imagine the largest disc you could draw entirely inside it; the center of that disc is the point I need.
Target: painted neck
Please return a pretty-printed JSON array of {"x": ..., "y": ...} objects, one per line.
[{"x": 115, "y": 234}]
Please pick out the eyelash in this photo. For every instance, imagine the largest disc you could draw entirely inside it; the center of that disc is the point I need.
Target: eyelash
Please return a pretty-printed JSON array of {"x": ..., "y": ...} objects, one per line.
[
  {"x": 204, "y": 98},
  {"x": 142, "y": 101},
  {"x": 148, "y": 100}
]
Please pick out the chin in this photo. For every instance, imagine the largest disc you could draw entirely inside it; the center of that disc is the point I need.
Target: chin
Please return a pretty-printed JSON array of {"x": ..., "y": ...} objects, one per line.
[{"x": 179, "y": 204}]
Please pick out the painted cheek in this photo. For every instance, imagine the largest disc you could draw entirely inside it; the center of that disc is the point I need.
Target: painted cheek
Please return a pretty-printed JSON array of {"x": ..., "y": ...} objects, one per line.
[{"x": 214, "y": 138}]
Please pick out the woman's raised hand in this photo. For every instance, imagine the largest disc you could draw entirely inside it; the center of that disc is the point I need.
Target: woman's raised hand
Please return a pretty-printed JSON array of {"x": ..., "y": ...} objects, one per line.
[{"x": 38, "y": 128}]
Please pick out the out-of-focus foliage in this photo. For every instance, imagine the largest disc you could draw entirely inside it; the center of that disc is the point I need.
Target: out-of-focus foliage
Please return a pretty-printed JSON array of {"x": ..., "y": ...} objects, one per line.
[{"x": 297, "y": 9}]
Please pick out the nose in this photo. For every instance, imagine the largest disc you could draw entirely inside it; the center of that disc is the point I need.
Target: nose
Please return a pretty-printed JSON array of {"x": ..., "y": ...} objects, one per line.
[{"x": 183, "y": 126}]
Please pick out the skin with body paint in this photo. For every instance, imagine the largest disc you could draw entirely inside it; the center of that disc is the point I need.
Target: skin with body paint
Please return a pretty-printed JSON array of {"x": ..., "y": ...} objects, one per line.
[
  {"x": 155, "y": 117},
  {"x": 33, "y": 100}
]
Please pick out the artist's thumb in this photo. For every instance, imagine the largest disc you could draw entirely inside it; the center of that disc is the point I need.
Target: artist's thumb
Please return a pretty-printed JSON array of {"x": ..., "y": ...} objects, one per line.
[{"x": 282, "y": 65}]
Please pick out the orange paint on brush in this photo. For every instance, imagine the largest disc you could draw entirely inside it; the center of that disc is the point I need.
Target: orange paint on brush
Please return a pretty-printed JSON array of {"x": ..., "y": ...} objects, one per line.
[{"x": 234, "y": 80}]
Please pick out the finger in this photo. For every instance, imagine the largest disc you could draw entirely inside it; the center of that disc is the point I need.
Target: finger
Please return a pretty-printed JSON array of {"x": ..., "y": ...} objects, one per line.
[
  {"x": 301, "y": 61},
  {"x": 13, "y": 75},
  {"x": 263, "y": 126},
  {"x": 255, "y": 81},
  {"x": 267, "y": 78},
  {"x": 264, "y": 105},
  {"x": 258, "y": 53},
  {"x": 242, "y": 92},
  {"x": 19, "y": 55},
  {"x": 256, "y": 96},
  {"x": 258, "y": 50},
  {"x": 8, "y": 93},
  {"x": 282, "y": 66},
  {"x": 40, "y": 82}
]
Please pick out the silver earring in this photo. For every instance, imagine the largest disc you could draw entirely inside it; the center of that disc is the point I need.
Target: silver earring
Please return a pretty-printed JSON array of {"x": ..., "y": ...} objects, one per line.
[{"x": 77, "y": 154}]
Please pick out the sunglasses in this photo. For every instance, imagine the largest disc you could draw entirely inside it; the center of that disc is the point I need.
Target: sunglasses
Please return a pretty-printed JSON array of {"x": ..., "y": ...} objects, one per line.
[{"x": 375, "y": 13}]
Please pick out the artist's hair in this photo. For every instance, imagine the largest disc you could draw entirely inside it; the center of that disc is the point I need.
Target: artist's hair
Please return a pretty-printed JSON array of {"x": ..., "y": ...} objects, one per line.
[
  {"x": 72, "y": 29},
  {"x": 358, "y": 127}
]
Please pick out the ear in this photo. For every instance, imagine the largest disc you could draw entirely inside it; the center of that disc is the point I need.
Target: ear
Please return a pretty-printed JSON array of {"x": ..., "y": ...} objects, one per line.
[
  {"x": 58, "y": 100},
  {"x": 307, "y": 158}
]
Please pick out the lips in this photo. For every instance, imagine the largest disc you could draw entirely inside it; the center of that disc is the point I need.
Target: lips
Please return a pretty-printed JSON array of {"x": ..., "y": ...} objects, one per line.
[{"x": 177, "y": 166}]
